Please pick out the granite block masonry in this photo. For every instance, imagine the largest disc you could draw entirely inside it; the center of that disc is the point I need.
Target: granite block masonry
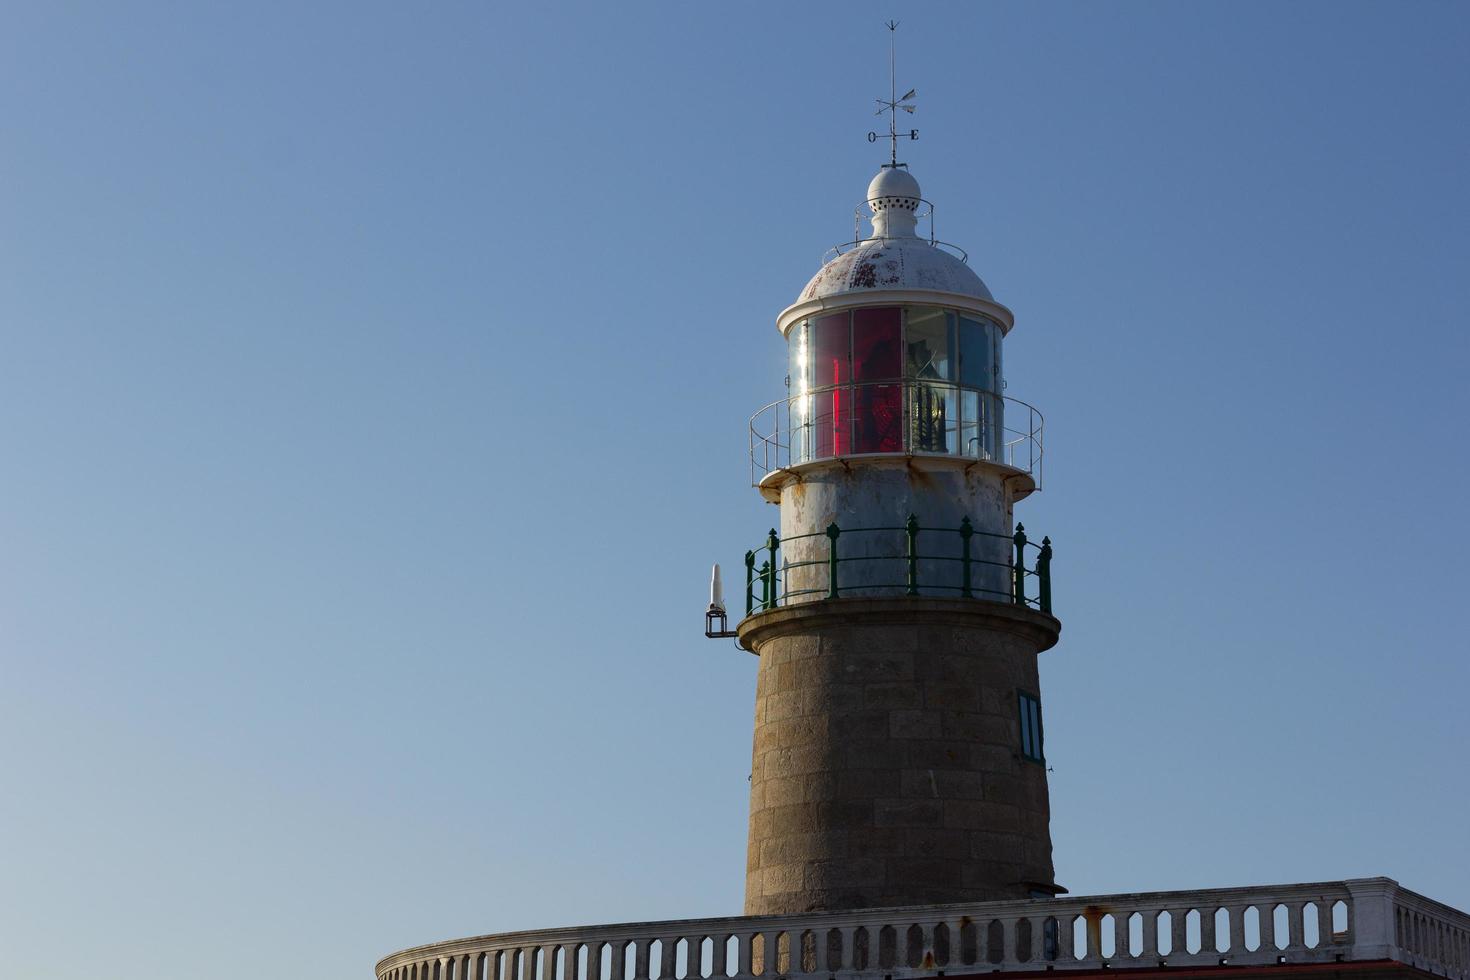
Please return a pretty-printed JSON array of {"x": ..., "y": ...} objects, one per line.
[{"x": 886, "y": 767}]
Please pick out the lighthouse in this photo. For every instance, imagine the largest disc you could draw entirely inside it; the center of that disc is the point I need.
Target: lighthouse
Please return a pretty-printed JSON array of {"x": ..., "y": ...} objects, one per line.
[
  {"x": 899, "y": 815},
  {"x": 897, "y": 608}
]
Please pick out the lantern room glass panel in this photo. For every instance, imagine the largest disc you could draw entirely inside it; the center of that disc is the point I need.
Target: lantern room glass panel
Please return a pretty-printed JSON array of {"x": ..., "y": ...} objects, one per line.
[
  {"x": 929, "y": 344},
  {"x": 830, "y": 404},
  {"x": 877, "y": 355},
  {"x": 977, "y": 354},
  {"x": 982, "y": 422},
  {"x": 878, "y": 419},
  {"x": 798, "y": 388},
  {"x": 877, "y": 345},
  {"x": 933, "y": 418},
  {"x": 974, "y": 419}
]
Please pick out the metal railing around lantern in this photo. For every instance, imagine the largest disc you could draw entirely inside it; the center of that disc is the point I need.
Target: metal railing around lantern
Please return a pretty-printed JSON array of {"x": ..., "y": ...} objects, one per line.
[
  {"x": 901, "y": 417},
  {"x": 865, "y": 212},
  {"x": 767, "y": 577}
]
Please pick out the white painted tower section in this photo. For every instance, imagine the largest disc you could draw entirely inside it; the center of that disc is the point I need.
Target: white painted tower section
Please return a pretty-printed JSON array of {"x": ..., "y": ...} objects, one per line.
[{"x": 895, "y": 407}]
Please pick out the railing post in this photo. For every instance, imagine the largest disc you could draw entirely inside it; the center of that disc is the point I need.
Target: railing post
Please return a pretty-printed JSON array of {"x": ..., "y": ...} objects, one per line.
[
  {"x": 1018, "y": 595},
  {"x": 832, "y": 532},
  {"x": 772, "y": 543},
  {"x": 967, "y": 531},
  {"x": 749, "y": 582},
  {"x": 1043, "y": 576},
  {"x": 912, "y": 529}
]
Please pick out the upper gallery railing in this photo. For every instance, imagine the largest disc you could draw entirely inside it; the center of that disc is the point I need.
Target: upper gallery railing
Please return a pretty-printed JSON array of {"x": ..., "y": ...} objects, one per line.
[
  {"x": 910, "y": 558},
  {"x": 1360, "y": 920},
  {"x": 900, "y": 417}
]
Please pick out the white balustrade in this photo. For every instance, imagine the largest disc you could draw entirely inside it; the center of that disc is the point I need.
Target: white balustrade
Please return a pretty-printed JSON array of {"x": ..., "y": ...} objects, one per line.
[{"x": 1361, "y": 919}]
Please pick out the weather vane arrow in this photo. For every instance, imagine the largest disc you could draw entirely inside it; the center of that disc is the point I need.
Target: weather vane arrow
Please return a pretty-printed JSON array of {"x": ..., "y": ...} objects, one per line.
[{"x": 894, "y": 103}]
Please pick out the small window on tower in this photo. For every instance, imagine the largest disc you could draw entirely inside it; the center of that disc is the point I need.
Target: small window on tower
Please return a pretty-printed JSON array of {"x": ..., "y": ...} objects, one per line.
[{"x": 1030, "y": 708}]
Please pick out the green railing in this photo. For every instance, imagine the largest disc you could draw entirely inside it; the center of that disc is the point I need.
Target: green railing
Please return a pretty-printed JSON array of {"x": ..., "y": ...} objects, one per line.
[{"x": 767, "y": 583}]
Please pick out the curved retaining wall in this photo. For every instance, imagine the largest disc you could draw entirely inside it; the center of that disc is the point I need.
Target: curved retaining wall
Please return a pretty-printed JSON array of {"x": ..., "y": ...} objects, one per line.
[{"x": 1360, "y": 920}]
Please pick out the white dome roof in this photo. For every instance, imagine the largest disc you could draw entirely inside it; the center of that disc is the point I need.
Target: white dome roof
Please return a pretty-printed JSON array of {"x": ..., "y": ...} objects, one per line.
[
  {"x": 894, "y": 258},
  {"x": 895, "y": 263}
]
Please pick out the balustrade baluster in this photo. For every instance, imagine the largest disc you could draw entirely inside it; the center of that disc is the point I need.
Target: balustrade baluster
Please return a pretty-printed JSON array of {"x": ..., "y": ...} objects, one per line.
[
  {"x": 1266, "y": 920},
  {"x": 720, "y": 953},
  {"x": 1234, "y": 938},
  {"x": 1324, "y": 923},
  {"x": 926, "y": 944},
  {"x": 1206, "y": 933},
  {"x": 743, "y": 945},
  {"x": 1179, "y": 932},
  {"x": 1120, "y": 935},
  {"x": 847, "y": 946},
  {"x": 1238, "y": 946},
  {"x": 1150, "y": 948},
  {"x": 1007, "y": 941},
  {"x": 640, "y": 958},
  {"x": 1066, "y": 952},
  {"x": 1030, "y": 951},
  {"x": 768, "y": 953},
  {"x": 1296, "y": 933}
]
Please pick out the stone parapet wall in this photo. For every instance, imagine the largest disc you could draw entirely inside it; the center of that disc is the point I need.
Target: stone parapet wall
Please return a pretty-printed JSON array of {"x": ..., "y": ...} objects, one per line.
[{"x": 1370, "y": 921}]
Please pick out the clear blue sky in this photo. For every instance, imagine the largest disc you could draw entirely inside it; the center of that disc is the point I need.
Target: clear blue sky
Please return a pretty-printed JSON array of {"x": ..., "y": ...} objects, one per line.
[{"x": 373, "y": 382}]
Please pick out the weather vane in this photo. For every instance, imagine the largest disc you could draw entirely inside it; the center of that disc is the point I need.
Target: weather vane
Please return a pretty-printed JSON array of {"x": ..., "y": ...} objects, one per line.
[{"x": 893, "y": 103}]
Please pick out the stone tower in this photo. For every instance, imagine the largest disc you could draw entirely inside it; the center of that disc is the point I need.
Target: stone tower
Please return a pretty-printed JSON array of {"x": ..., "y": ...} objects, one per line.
[{"x": 899, "y": 611}]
